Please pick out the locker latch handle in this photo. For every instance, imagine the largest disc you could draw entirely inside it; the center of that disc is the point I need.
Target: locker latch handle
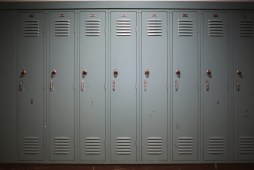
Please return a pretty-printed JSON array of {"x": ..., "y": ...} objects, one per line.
[
  {"x": 23, "y": 73},
  {"x": 147, "y": 73},
  {"x": 53, "y": 73},
  {"x": 178, "y": 73},
  {"x": 207, "y": 85},
  {"x": 209, "y": 73},
  {"x": 237, "y": 86},
  {"x": 21, "y": 86},
  {"x": 239, "y": 73},
  {"x": 115, "y": 73},
  {"x": 84, "y": 73}
]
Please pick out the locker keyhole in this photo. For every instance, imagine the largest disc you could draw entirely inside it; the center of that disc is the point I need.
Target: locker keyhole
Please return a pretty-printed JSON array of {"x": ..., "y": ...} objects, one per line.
[
  {"x": 23, "y": 73},
  {"x": 239, "y": 73},
  {"x": 84, "y": 73},
  {"x": 178, "y": 73},
  {"x": 115, "y": 73},
  {"x": 53, "y": 73},
  {"x": 147, "y": 73},
  {"x": 209, "y": 73}
]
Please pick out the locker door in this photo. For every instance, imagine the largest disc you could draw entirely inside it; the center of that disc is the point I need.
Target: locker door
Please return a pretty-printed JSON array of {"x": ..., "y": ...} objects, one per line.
[
  {"x": 61, "y": 86},
  {"x": 154, "y": 86},
  {"x": 243, "y": 86},
  {"x": 123, "y": 75},
  {"x": 185, "y": 86},
  {"x": 30, "y": 47},
  {"x": 92, "y": 90},
  {"x": 215, "y": 86}
]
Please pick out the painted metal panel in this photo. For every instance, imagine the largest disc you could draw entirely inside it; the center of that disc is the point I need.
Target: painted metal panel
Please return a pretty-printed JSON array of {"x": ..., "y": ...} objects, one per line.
[
  {"x": 215, "y": 86},
  {"x": 185, "y": 86},
  {"x": 154, "y": 86},
  {"x": 92, "y": 86},
  {"x": 30, "y": 54},
  {"x": 123, "y": 95},
  {"x": 61, "y": 86},
  {"x": 243, "y": 86},
  {"x": 8, "y": 116}
]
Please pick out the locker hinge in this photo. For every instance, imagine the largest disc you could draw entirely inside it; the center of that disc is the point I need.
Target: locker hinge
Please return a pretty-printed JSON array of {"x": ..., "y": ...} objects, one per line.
[
  {"x": 73, "y": 86},
  {"x": 136, "y": 86},
  {"x": 105, "y": 87},
  {"x": 105, "y": 30}
]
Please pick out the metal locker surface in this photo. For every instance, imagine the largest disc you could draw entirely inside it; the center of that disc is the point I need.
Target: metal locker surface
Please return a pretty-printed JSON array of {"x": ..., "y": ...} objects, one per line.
[
  {"x": 243, "y": 86},
  {"x": 123, "y": 95},
  {"x": 61, "y": 86},
  {"x": 154, "y": 86},
  {"x": 215, "y": 86},
  {"x": 30, "y": 84},
  {"x": 92, "y": 90},
  {"x": 185, "y": 86}
]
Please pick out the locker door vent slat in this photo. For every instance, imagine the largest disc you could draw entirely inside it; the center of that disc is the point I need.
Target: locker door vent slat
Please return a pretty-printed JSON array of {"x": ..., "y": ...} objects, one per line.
[
  {"x": 31, "y": 145},
  {"x": 154, "y": 27},
  {"x": 93, "y": 27},
  {"x": 123, "y": 145},
  {"x": 61, "y": 146},
  {"x": 185, "y": 145},
  {"x": 92, "y": 146},
  {"x": 154, "y": 146},
  {"x": 216, "y": 145},
  {"x": 246, "y": 145},
  {"x": 215, "y": 28},
  {"x": 185, "y": 27},
  {"x": 246, "y": 28},
  {"x": 31, "y": 28},
  {"x": 123, "y": 27},
  {"x": 62, "y": 28}
]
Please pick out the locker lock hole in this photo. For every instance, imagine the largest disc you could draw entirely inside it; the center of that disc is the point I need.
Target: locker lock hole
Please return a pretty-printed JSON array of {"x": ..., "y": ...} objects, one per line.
[
  {"x": 115, "y": 73},
  {"x": 239, "y": 73},
  {"x": 209, "y": 73},
  {"x": 23, "y": 73},
  {"x": 84, "y": 73},
  {"x": 53, "y": 73},
  {"x": 178, "y": 73},
  {"x": 147, "y": 73}
]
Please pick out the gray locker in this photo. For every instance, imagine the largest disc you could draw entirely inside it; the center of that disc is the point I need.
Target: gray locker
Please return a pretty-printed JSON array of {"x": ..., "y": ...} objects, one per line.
[
  {"x": 123, "y": 96},
  {"x": 61, "y": 86},
  {"x": 243, "y": 86},
  {"x": 154, "y": 86},
  {"x": 30, "y": 72},
  {"x": 185, "y": 86},
  {"x": 215, "y": 86},
  {"x": 92, "y": 86}
]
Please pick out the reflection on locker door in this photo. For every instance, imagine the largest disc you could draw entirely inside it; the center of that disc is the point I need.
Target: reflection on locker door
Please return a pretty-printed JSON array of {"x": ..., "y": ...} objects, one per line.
[
  {"x": 215, "y": 86},
  {"x": 123, "y": 75},
  {"x": 30, "y": 85},
  {"x": 92, "y": 90},
  {"x": 243, "y": 86},
  {"x": 154, "y": 86},
  {"x": 61, "y": 86},
  {"x": 185, "y": 86}
]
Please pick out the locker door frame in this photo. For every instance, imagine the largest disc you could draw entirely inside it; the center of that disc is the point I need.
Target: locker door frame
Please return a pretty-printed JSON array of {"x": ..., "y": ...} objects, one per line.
[
  {"x": 172, "y": 72},
  {"x": 141, "y": 72},
  {"x": 137, "y": 132},
  {"x": 106, "y": 30},
  {"x": 202, "y": 88},
  {"x": 75, "y": 86},
  {"x": 44, "y": 100},
  {"x": 235, "y": 16}
]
